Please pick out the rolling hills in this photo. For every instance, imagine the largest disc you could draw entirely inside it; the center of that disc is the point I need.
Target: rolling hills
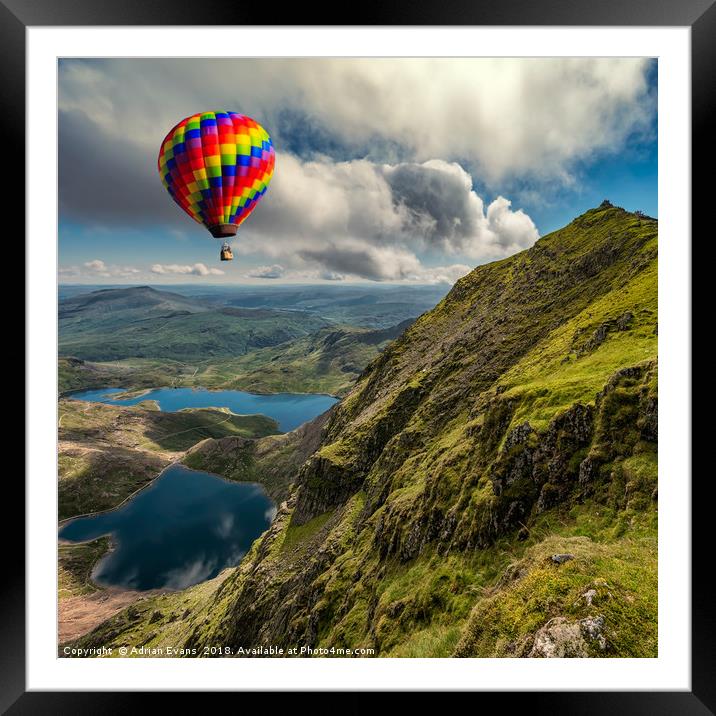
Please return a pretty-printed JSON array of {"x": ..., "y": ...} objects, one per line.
[
  {"x": 142, "y": 322},
  {"x": 328, "y": 361},
  {"x": 142, "y": 337},
  {"x": 487, "y": 488},
  {"x": 364, "y": 305}
]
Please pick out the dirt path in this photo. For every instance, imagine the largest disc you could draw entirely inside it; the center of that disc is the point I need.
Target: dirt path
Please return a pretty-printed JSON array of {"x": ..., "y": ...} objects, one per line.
[{"x": 84, "y": 410}]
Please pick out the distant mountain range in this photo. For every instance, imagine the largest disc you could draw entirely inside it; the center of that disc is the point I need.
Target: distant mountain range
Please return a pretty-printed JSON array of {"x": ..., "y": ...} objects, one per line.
[
  {"x": 366, "y": 305},
  {"x": 285, "y": 339},
  {"x": 329, "y": 360}
]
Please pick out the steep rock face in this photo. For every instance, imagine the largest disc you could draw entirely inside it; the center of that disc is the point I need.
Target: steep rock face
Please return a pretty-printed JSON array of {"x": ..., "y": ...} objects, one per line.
[{"x": 283, "y": 600}]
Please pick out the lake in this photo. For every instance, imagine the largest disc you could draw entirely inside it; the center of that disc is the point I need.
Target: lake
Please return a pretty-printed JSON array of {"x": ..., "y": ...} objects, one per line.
[
  {"x": 182, "y": 529},
  {"x": 289, "y": 410}
]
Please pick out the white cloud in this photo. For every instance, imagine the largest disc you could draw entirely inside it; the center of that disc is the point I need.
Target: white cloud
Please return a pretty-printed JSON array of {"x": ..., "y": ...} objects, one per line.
[
  {"x": 65, "y": 272},
  {"x": 273, "y": 271},
  {"x": 440, "y": 274},
  {"x": 197, "y": 269},
  {"x": 331, "y": 275},
  {"x": 96, "y": 268},
  {"x": 446, "y": 213},
  {"x": 96, "y": 265}
]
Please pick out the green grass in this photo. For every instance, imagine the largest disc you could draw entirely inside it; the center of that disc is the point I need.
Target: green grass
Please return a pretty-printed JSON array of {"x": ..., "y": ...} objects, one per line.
[
  {"x": 551, "y": 377},
  {"x": 623, "y": 573},
  {"x": 491, "y": 603},
  {"x": 298, "y": 534},
  {"x": 434, "y": 642}
]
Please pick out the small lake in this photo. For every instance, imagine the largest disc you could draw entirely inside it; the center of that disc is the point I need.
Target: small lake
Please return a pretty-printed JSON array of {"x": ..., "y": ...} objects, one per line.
[
  {"x": 182, "y": 529},
  {"x": 289, "y": 410}
]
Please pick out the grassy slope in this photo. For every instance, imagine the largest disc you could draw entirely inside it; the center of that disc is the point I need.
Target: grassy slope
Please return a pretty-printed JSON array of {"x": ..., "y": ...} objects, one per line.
[
  {"x": 501, "y": 429},
  {"x": 108, "y": 452},
  {"x": 75, "y": 563}
]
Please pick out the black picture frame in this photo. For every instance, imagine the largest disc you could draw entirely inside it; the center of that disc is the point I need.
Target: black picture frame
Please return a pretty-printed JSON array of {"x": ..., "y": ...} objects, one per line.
[{"x": 699, "y": 15}]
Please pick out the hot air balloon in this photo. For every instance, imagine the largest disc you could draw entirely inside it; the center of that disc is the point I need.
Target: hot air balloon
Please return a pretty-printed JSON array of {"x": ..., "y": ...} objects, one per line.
[{"x": 217, "y": 166}]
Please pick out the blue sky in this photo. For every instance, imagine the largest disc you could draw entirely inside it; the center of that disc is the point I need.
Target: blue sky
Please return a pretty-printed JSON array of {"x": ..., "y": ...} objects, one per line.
[{"x": 387, "y": 170}]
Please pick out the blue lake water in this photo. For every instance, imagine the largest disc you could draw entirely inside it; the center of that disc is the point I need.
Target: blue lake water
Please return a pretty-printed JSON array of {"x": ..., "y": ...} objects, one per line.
[
  {"x": 288, "y": 409},
  {"x": 182, "y": 529}
]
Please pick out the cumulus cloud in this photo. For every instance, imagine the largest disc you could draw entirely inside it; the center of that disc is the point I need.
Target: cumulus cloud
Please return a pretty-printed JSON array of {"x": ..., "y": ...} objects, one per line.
[
  {"x": 96, "y": 265},
  {"x": 426, "y": 206},
  {"x": 197, "y": 269},
  {"x": 359, "y": 258},
  {"x": 371, "y": 220},
  {"x": 443, "y": 209},
  {"x": 273, "y": 271},
  {"x": 507, "y": 115}
]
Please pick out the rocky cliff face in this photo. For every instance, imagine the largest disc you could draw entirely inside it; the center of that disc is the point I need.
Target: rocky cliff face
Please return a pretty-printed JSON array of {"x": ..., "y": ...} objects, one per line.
[{"x": 515, "y": 421}]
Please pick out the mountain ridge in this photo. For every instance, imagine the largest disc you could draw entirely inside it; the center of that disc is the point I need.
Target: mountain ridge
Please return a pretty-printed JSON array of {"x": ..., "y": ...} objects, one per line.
[{"x": 514, "y": 422}]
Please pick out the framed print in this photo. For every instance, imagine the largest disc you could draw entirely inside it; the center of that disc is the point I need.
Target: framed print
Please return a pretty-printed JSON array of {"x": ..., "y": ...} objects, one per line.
[{"x": 359, "y": 357}]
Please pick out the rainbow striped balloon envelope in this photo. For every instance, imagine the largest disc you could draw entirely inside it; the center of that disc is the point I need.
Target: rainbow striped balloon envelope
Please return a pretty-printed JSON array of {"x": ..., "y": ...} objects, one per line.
[{"x": 217, "y": 166}]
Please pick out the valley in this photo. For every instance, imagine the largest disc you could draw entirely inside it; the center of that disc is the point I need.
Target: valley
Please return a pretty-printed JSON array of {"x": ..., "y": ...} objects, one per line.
[
  {"x": 143, "y": 337},
  {"x": 110, "y": 452}
]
